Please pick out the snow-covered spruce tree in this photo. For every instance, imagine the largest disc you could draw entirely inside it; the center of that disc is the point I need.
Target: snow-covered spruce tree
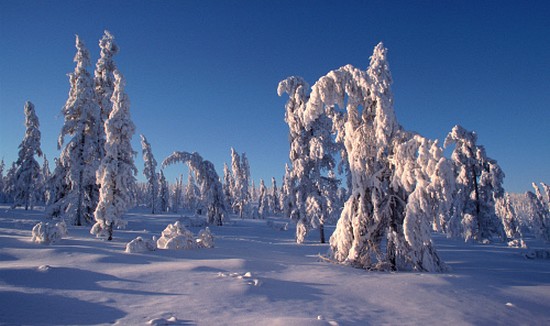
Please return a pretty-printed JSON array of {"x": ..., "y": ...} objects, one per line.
[
  {"x": 2, "y": 195},
  {"x": 426, "y": 178},
  {"x": 81, "y": 155},
  {"x": 240, "y": 178},
  {"x": 9, "y": 183},
  {"x": 274, "y": 200},
  {"x": 505, "y": 211},
  {"x": 479, "y": 184},
  {"x": 245, "y": 172},
  {"x": 190, "y": 197},
  {"x": 177, "y": 194},
  {"x": 150, "y": 173},
  {"x": 45, "y": 176},
  {"x": 164, "y": 192},
  {"x": 540, "y": 212},
  {"x": 312, "y": 151},
  {"x": 228, "y": 185},
  {"x": 375, "y": 212},
  {"x": 27, "y": 175},
  {"x": 263, "y": 202},
  {"x": 104, "y": 82},
  {"x": 57, "y": 190},
  {"x": 209, "y": 181},
  {"x": 287, "y": 198},
  {"x": 117, "y": 171}
]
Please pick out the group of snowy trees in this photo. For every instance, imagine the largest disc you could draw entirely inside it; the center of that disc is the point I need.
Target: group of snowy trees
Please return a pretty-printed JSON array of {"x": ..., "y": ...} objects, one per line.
[
  {"x": 400, "y": 186},
  {"x": 350, "y": 160},
  {"x": 94, "y": 175}
]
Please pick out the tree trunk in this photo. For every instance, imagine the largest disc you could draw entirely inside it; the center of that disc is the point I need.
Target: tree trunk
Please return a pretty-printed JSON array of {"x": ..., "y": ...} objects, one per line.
[{"x": 322, "y": 232}]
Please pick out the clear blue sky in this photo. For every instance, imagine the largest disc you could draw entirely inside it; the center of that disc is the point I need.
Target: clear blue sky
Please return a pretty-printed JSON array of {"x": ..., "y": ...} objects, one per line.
[{"x": 202, "y": 75}]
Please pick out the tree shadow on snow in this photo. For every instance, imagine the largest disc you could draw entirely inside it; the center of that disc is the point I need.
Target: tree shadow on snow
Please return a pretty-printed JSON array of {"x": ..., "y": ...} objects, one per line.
[
  {"x": 63, "y": 278},
  {"x": 18, "y": 308},
  {"x": 280, "y": 290}
]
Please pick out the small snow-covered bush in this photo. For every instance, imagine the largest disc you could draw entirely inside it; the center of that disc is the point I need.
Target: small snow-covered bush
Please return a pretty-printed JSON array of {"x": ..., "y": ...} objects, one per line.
[
  {"x": 176, "y": 236},
  {"x": 205, "y": 239},
  {"x": 49, "y": 232},
  {"x": 140, "y": 245}
]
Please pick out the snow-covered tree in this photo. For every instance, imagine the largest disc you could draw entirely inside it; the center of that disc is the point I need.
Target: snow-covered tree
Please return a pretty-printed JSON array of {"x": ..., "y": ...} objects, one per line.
[
  {"x": 57, "y": 191},
  {"x": 2, "y": 195},
  {"x": 104, "y": 82},
  {"x": 190, "y": 197},
  {"x": 287, "y": 194},
  {"x": 540, "y": 211},
  {"x": 177, "y": 194},
  {"x": 45, "y": 175},
  {"x": 150, "y": 173},
  {"x": 374, "y": 213},
  {"x": 263, "y": 201},
  {"x": 27, "y": 175},
  {"x": 9, "y": 183},
  {"x": 240, "y": 196},
  {"x": 228, "y": 185},
  {"x": 164, "y": 192},
  {"x": 81, "y": 155},
  {"x": 312, "y": 151},
  {"x": 479, "y": 184},
  {"x": 117, "y": 171},
  {"x": 209, "y": 181},
  {"x": 505, "y": 211},
  {"x": 274, "y": 201}
]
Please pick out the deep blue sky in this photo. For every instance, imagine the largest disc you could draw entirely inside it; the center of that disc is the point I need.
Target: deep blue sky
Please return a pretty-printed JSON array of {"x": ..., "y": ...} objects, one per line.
[{"x": 202, "y": 75}]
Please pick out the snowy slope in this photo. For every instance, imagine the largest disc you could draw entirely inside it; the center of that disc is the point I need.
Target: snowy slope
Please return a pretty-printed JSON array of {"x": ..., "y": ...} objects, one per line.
[{"x": 255, "y": 275}]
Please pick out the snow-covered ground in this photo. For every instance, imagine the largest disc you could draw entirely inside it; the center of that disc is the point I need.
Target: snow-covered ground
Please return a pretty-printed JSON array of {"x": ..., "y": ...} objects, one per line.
[{"x": 255, "y": 275}]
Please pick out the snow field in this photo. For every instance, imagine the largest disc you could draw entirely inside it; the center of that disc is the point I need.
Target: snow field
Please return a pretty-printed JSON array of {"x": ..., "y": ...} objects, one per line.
[{"x": 254, "y": 275}]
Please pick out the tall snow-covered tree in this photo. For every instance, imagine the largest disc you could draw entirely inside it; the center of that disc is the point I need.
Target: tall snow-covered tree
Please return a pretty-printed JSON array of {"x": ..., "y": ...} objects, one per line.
[
  {"x": 117, "y": 171},
  {"x": 479, "y": 184},
  {"x": 209, "y": 181},
  {"x": 274, "y": 201},
  {"x": 164, "y": 192},
  {"x": 374, "y": 214},
  {"x": 287, "y": 193},
  {"x": 57, "y": 191},
  {"x": 81, "y": 155},
  {"x": 150, "y": 173},
  {"x": 312, "y": 151},
  {"x": 177, "y": 194},
  {"x": 28, "y": 173},
  {"x": 2, "y": 195},
  {"x": 540, "y": 211},
  {"x": 506, "y": 212},
  {"x": 263, "y": 202},
  {"x": 228, "y": 185},
  {"x": 104, "y": 82},
  {"x": 240, "y": 196},
  {"x": 190, "y": 197}
]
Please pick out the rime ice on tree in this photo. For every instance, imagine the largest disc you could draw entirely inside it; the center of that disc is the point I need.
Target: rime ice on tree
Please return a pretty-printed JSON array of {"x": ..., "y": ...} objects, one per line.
[
  {"x": 81, "y": 155},
  {"x": 27, "y": 175},
  {"x": 117, "y": 171},
  {"x": 375, "y": 212},
  {"x": 209, "y": 183}
]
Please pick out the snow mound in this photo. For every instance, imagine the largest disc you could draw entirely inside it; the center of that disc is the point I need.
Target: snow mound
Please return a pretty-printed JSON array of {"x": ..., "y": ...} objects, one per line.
[
  {"x": 176, "y": 236},
  {"x": 140, "y": 245},
  {"x": 517, "y": 243},
  {"x": 205, "y": 239},
  {"x": 165, "y": 321},
  {"x": 48, "y": 232}
]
